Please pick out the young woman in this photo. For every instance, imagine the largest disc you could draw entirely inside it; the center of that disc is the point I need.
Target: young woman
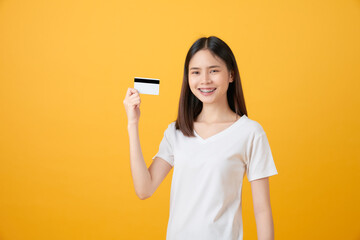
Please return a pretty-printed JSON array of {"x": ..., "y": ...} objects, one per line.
[{"x": 211, "y": 145}]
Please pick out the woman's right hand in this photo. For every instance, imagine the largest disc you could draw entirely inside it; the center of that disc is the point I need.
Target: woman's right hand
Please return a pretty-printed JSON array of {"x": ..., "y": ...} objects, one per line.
[{"x": 132, "y": 105}]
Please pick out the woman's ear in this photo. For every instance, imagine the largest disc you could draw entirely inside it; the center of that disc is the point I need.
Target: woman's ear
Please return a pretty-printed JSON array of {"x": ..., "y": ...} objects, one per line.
[{"x": 231, "y": 76}]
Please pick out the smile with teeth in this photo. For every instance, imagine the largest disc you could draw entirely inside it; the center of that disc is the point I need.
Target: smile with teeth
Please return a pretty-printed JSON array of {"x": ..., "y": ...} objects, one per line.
[{"x": 207, "y": 90}]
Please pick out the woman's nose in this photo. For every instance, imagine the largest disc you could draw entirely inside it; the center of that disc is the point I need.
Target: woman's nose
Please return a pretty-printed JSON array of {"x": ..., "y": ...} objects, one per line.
[{"x": 206, "y": 77}]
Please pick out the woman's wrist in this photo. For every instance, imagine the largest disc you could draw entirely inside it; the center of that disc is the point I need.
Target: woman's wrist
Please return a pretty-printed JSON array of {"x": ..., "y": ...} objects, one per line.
[{"x": 133, "y": 124}]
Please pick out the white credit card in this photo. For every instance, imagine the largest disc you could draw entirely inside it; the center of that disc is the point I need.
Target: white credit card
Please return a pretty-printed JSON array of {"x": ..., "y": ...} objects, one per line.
[{"x": 147, "y": 85}]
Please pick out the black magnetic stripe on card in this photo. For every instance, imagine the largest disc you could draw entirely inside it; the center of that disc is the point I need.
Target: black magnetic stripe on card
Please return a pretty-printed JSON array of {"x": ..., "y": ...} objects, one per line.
[{"x": 145, "y": 80}]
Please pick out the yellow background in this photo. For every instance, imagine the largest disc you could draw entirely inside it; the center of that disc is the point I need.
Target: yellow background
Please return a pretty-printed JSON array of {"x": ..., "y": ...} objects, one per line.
[{"x": 65, "y": 67}]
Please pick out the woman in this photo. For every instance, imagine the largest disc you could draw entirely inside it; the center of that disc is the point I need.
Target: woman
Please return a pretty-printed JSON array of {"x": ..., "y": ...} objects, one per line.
[{"x": 211, "y": 145}]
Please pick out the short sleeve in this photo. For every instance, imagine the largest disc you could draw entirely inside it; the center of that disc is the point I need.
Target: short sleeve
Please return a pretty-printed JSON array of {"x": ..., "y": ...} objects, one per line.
[
  {"x": 166, "y": 147},
  {"x": 260, "y": 163}
]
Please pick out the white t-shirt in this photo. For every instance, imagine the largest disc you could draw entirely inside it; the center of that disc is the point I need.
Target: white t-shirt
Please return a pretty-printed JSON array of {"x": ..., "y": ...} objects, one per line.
[{"x": 206, "y": 187}]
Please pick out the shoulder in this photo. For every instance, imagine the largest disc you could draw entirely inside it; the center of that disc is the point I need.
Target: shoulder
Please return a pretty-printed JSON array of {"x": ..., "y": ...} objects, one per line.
[
  {"x": 171, "y": 126},
  {"x": 170, "y": 130},
  {"x": 254, "y": 127}
]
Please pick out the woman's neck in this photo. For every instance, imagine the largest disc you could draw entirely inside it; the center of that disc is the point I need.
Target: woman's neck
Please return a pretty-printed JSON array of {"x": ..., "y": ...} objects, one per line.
[{"x": 216, "y": 114}]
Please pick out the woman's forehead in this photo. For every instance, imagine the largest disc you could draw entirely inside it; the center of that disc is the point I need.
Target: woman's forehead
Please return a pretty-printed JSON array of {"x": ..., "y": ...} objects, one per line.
[{"x": 205, "y": 58}]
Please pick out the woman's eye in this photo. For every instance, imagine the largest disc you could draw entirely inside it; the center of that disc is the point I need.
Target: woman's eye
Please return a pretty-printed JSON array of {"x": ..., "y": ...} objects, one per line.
[
  {"x": 215, "y": 70},
  {"x": 194, "y": 72}
]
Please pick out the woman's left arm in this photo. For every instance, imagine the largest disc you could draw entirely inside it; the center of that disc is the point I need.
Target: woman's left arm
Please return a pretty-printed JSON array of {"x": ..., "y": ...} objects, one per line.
[{"x": 262, "y": 208}]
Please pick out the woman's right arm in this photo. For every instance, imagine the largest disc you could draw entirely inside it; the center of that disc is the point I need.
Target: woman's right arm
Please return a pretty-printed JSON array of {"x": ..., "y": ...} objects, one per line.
[{"x": 145, "y": 180}]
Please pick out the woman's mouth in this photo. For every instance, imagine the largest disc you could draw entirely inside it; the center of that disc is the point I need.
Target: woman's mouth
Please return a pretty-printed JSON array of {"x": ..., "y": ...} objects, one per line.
[{"x": 207, "y": 91}]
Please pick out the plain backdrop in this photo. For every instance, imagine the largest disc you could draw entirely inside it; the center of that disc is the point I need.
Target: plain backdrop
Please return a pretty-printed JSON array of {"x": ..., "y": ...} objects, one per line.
[{"x": 65, "y": 67}]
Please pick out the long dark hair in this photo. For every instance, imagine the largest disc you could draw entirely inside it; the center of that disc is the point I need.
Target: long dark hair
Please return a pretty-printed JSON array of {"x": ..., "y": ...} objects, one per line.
[{"x": 189, "y": 105}]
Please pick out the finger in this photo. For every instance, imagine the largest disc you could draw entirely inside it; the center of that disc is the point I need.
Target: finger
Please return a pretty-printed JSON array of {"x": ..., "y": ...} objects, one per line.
[
  {"x": 134, "y": 96},
  {"x": 135, "y": 102},
  {"x": 134, "y": 90},
  {"x": 128, "y": 92}
]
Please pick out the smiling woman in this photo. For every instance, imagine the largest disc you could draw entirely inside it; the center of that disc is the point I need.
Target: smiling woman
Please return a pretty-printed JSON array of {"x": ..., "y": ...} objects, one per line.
[{"x": 211, "y": 146}]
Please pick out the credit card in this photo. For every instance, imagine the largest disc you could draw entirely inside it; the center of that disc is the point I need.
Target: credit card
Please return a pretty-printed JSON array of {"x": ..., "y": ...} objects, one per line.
[{"x": 147, "y": 85}]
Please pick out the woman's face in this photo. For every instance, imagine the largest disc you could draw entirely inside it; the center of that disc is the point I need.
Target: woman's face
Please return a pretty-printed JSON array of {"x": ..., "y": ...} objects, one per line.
[{"x": 208, "y": 72}]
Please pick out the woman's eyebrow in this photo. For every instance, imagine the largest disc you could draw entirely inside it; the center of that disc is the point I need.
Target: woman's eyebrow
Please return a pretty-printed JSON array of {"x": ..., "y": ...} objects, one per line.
[{"x": 213, "y": 66}]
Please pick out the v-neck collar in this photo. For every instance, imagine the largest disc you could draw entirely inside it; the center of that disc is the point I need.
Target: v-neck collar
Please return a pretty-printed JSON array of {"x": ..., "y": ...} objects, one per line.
[{"x": 216, "y": 135}]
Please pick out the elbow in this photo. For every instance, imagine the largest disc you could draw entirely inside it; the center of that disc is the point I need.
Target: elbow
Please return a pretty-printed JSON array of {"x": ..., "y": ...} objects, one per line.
[
  {"x": 143, "y": 196},
  {"x": 144, "y": 192}
]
